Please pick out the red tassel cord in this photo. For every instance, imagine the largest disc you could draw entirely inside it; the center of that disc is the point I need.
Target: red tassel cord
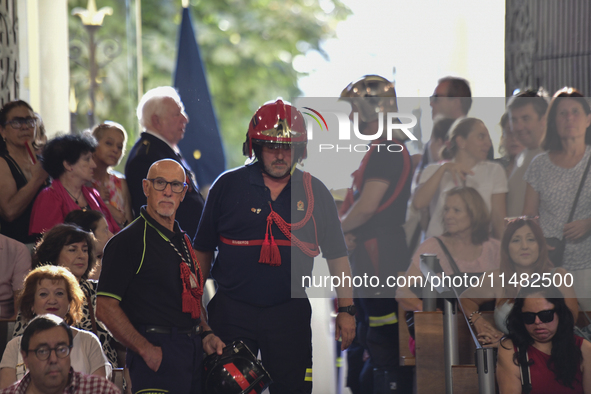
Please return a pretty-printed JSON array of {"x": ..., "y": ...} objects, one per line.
[
  {"x": 192, "y": 284},
  {"x": 270, "y": 251}
]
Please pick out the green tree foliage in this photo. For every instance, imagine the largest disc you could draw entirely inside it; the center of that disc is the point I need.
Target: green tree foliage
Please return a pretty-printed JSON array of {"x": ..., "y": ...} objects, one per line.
[{"x": 247, "y": 47}]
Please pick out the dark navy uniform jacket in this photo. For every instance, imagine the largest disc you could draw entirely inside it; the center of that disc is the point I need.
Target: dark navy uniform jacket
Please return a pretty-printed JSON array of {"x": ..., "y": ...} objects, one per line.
[{"x": 237, "y": 208}]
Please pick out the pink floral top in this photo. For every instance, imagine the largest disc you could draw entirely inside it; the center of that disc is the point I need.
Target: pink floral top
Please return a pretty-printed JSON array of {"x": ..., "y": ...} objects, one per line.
[{"x": 115, "y": 187}]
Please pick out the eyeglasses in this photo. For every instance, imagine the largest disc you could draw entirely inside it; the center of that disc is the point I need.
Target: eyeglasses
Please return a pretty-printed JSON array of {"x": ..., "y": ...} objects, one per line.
[
  {"x": 44, "y": 352},
  {"x": 545, "y": 316},
  {"x": 160, "y": 184},
  {"x": 18, "y": 123}
]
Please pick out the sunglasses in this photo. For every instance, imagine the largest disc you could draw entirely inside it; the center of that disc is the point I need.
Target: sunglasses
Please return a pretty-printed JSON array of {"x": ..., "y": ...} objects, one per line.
[
  {"x": 516, "y": 218},
  {"x": 545, "y": 316}
]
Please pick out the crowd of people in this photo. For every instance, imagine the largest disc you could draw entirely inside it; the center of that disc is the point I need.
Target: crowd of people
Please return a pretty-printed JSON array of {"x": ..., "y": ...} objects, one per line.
[{"x": 114, "y": 266}]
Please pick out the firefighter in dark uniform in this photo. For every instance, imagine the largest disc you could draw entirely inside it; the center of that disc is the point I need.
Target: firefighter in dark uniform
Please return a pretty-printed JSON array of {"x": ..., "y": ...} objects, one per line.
[
  {"x": 372, "y": 217},
  {"x": 268, "y": 221}
]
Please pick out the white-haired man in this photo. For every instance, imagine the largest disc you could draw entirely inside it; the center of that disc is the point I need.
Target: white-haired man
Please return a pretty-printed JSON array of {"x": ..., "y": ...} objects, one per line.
[{"x": 161, "y": 114}]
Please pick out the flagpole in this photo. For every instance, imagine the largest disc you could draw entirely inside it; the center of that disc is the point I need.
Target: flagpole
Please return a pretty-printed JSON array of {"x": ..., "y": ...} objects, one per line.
[{"x": 138, "y": 46}]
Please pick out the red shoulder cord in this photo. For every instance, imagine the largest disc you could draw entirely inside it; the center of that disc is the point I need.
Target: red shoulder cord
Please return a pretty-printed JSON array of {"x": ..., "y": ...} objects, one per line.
[
  {"x": 270, "y": 251},
  {"x": 192, "y": 284},
  {"x": 358, "y": 181}
]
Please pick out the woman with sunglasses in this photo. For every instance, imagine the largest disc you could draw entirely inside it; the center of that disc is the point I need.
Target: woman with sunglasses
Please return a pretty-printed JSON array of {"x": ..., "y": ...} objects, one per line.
[
  {"x": 523, "y": 254},
  {"x": 467, "y": 151},
  {"x": 68, "y": 159},
  {"x": 54, "y": 290},
  {"x": 541, "y": 345},
  {"x": 21, "y": 177}
]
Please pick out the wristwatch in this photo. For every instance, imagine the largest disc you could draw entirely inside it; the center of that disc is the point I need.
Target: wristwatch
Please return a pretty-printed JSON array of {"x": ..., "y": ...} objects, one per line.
[{"x": 349, "y": 309}]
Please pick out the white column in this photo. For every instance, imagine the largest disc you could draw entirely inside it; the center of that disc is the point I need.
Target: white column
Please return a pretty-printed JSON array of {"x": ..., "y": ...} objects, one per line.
[{"x": 44, "y": 61}]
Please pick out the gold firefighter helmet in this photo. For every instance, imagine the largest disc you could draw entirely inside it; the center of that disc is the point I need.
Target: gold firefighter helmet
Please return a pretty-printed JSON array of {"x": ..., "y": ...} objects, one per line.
[{"x": 371, "y": 95}]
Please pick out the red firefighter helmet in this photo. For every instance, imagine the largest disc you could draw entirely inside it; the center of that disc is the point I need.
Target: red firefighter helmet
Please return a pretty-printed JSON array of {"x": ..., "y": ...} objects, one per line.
[
  {"x": 276, "y": 122},
  {"x": 235, "y": 371}
]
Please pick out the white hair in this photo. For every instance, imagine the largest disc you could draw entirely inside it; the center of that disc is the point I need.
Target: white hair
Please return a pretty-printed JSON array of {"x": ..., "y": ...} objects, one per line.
[{"x": 151, "y": 103}]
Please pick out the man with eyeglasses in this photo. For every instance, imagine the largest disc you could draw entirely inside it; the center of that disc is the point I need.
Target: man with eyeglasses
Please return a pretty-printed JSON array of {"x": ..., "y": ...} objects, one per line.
[
  {"x": 150, "y": 289},
  {"x": 162, "y": 115},
  {"x": 527, "y": 119},
  {"x": 45, "y": 347}
]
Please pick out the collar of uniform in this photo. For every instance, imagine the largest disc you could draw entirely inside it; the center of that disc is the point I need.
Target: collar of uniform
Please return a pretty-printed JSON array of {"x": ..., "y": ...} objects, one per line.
[
  {"x": 158, "y": 227},
  {"x": 173, "y": 147},
  {"x": 256, "y": 175}
]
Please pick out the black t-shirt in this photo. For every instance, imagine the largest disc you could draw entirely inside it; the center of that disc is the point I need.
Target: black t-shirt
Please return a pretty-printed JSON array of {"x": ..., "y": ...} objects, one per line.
[
  {"x": 142, "y": 270},
  {"x": 390, "y": 167}
]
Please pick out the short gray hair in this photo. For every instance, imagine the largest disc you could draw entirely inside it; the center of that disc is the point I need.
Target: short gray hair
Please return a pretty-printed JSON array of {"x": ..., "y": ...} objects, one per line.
[{"x": 151, "y": 103}]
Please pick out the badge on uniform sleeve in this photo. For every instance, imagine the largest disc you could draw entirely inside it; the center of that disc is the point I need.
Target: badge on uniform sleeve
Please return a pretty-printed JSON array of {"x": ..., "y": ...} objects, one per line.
[{"x": 300, "y": 205}]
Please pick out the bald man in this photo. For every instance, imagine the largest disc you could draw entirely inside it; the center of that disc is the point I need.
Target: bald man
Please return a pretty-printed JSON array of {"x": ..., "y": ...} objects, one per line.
[{"x": 150, "y": 289}]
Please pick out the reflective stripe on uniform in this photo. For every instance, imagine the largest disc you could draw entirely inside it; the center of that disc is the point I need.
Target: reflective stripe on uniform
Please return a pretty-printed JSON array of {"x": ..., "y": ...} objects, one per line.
[
  {"x": 308, "y": 375},
  {"x": 378, "y": 321}
]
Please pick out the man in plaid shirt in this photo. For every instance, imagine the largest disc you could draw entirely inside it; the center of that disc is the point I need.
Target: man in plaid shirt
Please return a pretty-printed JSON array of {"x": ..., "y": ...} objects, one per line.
[{"x": 45, "y": 347}]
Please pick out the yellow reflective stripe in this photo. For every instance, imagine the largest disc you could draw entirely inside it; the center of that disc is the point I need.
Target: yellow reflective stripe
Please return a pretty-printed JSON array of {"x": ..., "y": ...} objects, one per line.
[
  {"x": 144, "y": 250},
  {"x": 339, "y": 362},
  {"x": 308, "y": 376},
  {"x": 115, "y": 296},
  {"x": 377, "y": 321}
]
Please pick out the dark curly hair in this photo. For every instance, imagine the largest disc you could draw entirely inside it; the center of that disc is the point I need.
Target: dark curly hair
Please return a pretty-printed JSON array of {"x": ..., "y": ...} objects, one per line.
[
  {"x": 49, "y": 248},
  {"x": 552, "y": 141},
  {"x": 566, "y": 356},
  {"x": 67, "y": 148}
]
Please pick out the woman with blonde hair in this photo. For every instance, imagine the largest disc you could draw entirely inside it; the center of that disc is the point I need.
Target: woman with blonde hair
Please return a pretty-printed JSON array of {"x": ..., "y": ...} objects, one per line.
[
  {"x": 54, "y": 290},
  {"x": 465, "y": 245}
]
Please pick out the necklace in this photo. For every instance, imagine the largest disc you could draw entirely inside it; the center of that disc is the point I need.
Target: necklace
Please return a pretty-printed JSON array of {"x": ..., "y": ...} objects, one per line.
[{"x": 71, "y": 195}]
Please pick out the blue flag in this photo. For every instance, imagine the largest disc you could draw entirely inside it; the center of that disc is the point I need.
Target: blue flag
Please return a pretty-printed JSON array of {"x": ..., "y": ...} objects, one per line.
[{"x": 202, "y": 146}]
